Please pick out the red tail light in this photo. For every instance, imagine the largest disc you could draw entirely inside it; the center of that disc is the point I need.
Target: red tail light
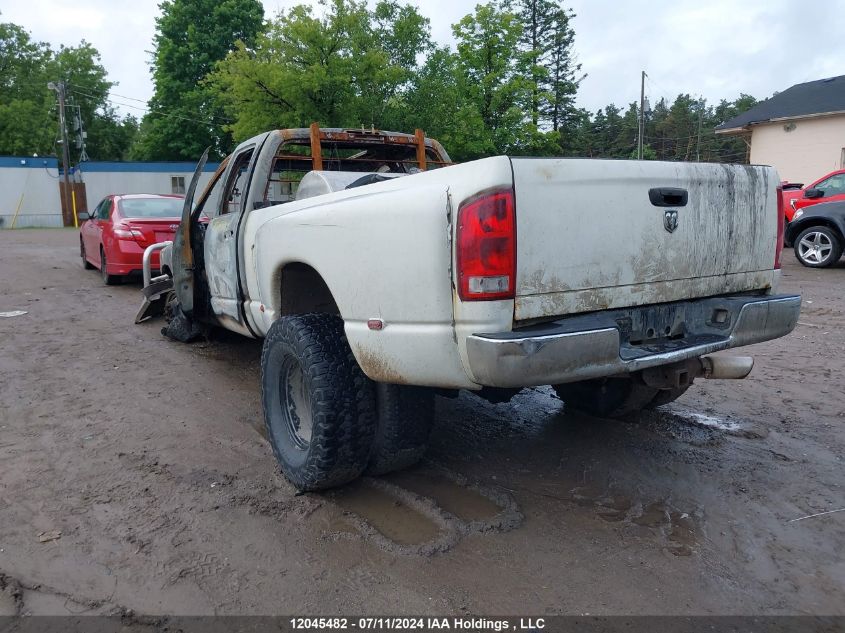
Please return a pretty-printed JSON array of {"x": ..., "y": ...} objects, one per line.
[
  {"x": 781, "y": 219},
  {"x": 486, "y": 247},
  {"x": 126, "y": 232}
]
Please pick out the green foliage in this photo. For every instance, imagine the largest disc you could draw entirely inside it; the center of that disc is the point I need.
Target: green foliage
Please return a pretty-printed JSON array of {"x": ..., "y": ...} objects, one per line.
[
  {"x": 346, "y": 68},
  {"x": 509, "y": 87},
  {"x": 222, "y": 75},
  {"x": 546, "y": 47},
  {"x": 28, "y": 110},
  {"x": 185, "y": 116}
]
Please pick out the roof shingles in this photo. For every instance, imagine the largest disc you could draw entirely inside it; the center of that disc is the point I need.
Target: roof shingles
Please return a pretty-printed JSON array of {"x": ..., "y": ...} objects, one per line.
[{"x": 801, "y": 100}]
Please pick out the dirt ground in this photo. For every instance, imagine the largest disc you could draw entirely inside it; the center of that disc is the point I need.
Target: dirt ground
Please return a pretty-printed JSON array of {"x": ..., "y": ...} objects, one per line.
[{"x": 133, "y": 477}]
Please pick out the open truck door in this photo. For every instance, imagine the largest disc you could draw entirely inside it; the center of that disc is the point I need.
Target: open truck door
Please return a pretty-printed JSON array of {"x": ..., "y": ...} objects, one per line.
[{"x": 157, "y": 290}]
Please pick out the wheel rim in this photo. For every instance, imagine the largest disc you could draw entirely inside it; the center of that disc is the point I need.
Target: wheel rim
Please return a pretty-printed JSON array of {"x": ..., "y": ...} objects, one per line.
[
  {"x": 295, "y": 403},
  {"x": 815, "y": 247},
  {"x": 103, "y": 265}
]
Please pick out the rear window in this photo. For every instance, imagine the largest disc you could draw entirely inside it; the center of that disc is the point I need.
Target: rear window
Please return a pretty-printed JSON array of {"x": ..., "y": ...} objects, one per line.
[{"x": 151, "y": 207}]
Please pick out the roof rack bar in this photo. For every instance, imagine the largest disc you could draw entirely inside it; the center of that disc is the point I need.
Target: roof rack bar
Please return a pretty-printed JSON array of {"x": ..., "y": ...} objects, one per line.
[
  {"x": 420, "y": 138},
  {"x": 316, "y": 149}
]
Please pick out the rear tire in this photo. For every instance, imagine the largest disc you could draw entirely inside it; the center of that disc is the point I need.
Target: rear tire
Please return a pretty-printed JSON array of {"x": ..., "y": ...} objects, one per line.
[
  {"x": 319, "y": 407},
  {"x": 607, "y": 397},
  {"x": 405, "y": 417},
  {"x": 818, "y": 247},
  {"x": 85, "y": 263},
  {"x": 109, "y": 280}
]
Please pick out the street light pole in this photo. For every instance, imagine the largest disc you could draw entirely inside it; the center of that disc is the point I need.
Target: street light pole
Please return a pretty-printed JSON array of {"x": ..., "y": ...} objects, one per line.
[
  {"x": 60, "y": 91},
  {"x": 642, "y": 117}
]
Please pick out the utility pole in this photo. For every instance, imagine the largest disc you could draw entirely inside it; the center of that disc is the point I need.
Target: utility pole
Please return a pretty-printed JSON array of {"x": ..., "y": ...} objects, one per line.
[
  {"x": 698, "y": 145},
  {"x": 60, "y": 91},
  {"x": 642, "y": 117},
  {"x": 79, "y": 133}
]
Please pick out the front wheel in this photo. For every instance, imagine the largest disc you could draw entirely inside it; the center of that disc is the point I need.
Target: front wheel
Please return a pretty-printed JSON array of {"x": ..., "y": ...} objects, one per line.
[
  {"x": 319, "y": 407},
  {"x": 818, "y": 247}
]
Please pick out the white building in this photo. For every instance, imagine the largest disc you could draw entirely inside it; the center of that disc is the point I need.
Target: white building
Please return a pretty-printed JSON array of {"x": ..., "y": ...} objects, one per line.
[{"x": 30, "y": 186}]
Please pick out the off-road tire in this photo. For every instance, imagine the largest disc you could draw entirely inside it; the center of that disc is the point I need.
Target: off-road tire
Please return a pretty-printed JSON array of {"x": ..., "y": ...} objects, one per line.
[
  {"x": 85, "y": 263},
  {"x": 109, "y": 280},
  {"x": 835, "y": 246},
  {"x": 665, "y": 396},
  {"x": 405, "y": 416},
  {"x": 340, "y": 402},
  {"x": 607, "y": 397}
]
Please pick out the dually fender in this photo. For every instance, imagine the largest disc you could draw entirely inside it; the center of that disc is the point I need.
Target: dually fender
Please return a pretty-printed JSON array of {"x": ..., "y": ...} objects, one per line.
[{"x": 385, "y": 256}]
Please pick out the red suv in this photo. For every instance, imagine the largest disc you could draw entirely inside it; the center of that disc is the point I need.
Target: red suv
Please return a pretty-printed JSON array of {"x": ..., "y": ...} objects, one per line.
[{"x": 829, "y": 188}]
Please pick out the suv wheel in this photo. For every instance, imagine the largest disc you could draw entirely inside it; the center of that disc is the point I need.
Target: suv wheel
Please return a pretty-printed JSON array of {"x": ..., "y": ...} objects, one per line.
[{"x": 818, "y": 247}]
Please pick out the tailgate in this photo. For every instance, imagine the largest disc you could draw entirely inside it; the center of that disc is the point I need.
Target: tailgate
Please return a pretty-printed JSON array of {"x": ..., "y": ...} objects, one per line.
[{"x": 589, "y": 238}]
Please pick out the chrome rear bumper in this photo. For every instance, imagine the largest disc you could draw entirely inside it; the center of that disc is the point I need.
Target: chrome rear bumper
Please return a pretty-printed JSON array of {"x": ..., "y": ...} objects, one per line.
[{"x": 616, "y": 342}]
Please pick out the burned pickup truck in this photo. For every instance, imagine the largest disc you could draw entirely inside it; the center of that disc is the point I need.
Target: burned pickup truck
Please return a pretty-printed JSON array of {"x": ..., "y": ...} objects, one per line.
[{"x": 379, "y": 274}]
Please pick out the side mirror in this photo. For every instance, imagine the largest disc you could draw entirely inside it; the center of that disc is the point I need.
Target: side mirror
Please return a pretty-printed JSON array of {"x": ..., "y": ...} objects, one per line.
[
  {"x": 814, "y": 193},
  {"x": 82, "y": 216}
]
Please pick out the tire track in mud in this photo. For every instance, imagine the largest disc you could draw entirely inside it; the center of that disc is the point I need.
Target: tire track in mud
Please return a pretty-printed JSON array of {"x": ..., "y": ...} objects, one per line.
[{"x": 419, "y": 512}]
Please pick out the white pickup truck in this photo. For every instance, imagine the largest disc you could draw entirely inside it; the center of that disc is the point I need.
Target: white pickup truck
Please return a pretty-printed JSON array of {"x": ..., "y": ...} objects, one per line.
[{"x": 378, "y": 274}]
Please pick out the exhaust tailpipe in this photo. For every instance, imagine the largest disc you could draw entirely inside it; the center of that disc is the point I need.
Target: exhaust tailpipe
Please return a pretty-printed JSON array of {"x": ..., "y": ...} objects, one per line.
[{"x": 726, "y": 367}]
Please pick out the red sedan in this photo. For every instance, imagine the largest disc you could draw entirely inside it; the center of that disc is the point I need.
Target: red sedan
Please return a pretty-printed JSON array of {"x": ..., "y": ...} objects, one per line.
[
  {"x": 828, "y": 188},
  {"x": 114, "y": 236}
]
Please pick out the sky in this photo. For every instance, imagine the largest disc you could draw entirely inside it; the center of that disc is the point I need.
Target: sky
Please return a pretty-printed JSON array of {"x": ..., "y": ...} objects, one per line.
[{"x": 713, "y": 49}]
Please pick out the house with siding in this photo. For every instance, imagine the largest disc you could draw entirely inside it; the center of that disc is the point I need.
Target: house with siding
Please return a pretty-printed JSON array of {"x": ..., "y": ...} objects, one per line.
[{"x": 800, "y": 131}]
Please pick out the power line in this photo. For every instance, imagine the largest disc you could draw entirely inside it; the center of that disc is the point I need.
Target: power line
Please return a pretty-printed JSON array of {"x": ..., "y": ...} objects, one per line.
[{"x": 211, "y": 121}]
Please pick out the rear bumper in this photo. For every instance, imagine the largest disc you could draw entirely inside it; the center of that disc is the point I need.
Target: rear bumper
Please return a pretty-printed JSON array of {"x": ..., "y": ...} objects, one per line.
[
  {"x": 621, "y": 341},
  {"x": 126, "y": 256}
]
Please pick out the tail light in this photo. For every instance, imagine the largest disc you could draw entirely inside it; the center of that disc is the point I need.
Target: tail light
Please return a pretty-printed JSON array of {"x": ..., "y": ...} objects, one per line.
[
  {"x": 781, "y": 219},
  {"x": 486, "y": 247},
  {"x": 123, "y": 232}
]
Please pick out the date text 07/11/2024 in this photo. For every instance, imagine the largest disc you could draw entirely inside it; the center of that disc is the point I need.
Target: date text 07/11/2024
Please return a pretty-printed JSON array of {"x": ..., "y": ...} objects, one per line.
[{"x": 469, "y": 624}]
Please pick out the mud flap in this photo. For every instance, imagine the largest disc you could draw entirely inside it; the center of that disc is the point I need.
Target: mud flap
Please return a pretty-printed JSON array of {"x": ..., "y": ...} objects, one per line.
[{"x": 155, "y": 299}]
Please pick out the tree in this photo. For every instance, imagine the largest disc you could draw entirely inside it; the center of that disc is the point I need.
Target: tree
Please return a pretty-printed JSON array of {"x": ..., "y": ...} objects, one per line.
[
  {"x": 562, "y": 80},
  {"x": 489, "y": 64},
  {"x": 538, "y": 30},
  {"x": 684, "y": 130},
  {"x": 191, "y": 37},
  {"x": 28, "y": 116},
  {"x": 437, "y": 103},
  {"x": 351, "y": 66}
]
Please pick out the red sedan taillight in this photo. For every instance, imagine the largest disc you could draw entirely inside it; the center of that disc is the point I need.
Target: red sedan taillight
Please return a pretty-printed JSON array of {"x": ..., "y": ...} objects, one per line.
[
  {"x": 781, "y": 219},
  {"x": 125, "y": 232},
  {"x": 486, "y": 247}
]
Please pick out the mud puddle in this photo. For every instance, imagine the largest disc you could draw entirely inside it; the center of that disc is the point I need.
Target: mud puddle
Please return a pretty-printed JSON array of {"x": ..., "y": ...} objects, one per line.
[
  {"x": 390, "y": 515},
  {"x": 419, "y": 512},
  {"x": 460, "y": 501}
]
